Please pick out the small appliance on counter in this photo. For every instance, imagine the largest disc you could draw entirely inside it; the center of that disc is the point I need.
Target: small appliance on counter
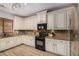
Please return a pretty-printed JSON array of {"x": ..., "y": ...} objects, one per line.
[{"x": 40, "y": 38}]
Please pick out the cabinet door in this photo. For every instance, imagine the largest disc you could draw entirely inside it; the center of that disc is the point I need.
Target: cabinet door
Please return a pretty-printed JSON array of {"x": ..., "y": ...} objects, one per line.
[
  {"x": 50, "y": 46},
  {"x": 26, "y": 23},
  {"x": 25, "y": 39},
  {"x": 29, "y": 41},
  {"x": 41, "y": 16},
  {"x": 10, "y": 42},
  {"x": 17, "y": 41},
  {"x": 18, "y": 23},
  {"x": 31, "y": 24},
  {"x": 50, "y": 22},
  {"x": 60, "y": 20},
  {"x": 67, "y": 48},
  {"x": 60, "y": 49},
  {"x": 32, "y": 41},
  {"x": 3, "y": 45},
  {"x": 35, "y": 22}
]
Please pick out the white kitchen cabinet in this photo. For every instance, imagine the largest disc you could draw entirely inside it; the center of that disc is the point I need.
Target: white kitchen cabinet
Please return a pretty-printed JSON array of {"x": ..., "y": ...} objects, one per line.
[
  {"x": 26, "y": 23},
  {"x": 3, "y": 45},
  {"x": 62, "y": 47},
  {"x": 57, "y": 20},
  {"x": 35, "y": 22},
  {"x": 50, "y": 21},
  {"x": 18, "y": 23},
  {"x": 58, "y": 46},
  {"x": 50, "y": 45},
  {"x": 67, "y": 46},
  {"x": 17, "y": 40},
  {"x": 42, "y": 16},
  {"x": 60, "y": 20},
  {"x": 32, "y": 41},
  {"x": 28, "y": 40},
  {"x": 30, "y": 23},
  {"x": 9, "y": 42}
]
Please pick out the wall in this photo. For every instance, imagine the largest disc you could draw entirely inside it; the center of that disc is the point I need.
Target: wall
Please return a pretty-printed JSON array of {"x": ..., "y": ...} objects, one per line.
[
  {"x": 78, "y": 28},
  {"x": 74, "y": 43}
]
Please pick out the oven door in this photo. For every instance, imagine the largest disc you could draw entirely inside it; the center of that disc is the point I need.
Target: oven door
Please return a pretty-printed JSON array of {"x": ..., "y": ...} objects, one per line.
[{"x": 40, "y": 44}]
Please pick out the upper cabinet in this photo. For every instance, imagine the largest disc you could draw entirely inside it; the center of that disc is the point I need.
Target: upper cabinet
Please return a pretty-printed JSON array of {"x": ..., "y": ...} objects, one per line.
[
  {"x": 61, "y": 19},
  {"x": 30, "y": 23},
  {"x": 50, "y": 21},
  {"x": 18, "y": 23},
  {"x": 42, "y": 16}
]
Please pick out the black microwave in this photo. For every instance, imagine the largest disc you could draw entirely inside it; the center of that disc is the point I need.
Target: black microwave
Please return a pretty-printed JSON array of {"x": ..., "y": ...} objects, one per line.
[{"x": 42, "y": 26}]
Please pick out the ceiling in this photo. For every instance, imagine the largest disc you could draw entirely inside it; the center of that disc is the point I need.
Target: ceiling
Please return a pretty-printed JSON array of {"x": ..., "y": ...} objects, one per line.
[{"x": 26, "y": 9}]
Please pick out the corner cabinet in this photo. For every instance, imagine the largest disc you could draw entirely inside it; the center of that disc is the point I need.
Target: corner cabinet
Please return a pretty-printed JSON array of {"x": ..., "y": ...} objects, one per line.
[
  {"x": 29, "y": 40},
  {"x": 18, "y": 23},
  {"x": 61, "y": 19},
  {"x": 30, "y": 23}
]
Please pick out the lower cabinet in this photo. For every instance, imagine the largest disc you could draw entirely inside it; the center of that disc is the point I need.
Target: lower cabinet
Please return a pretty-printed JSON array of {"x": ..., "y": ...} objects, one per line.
[
  {"x": 29, "y": 40},
  {"x": 13, "y": 41},
  {"x": 10, "y": 42},
  {"x": 3, "y": 45},
  {"x": 60, "y": 47},
  {"x": 32, "y": 41},
  {"x": 50, "y": 46}
]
